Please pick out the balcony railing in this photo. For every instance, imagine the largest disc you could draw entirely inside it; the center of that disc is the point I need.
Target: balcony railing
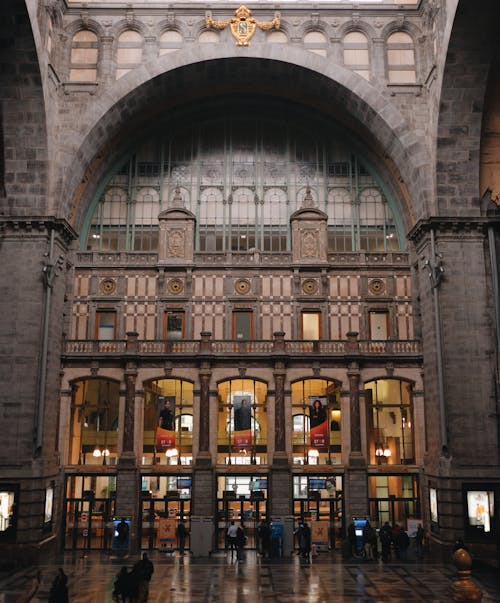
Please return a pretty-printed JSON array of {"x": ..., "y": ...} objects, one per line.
[{"x": 348, "y": 347}]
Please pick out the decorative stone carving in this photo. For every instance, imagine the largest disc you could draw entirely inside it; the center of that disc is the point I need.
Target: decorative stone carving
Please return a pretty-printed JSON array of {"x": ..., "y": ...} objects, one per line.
[
  {"x": 242, "y": 286},
  {"x": 107, "y": 286},
  {"x": 177, "y": 226},
  {"x": 175, "y": 286},
  {"x": 310, "y": 286},
  {"x": 376, "y": 286}
]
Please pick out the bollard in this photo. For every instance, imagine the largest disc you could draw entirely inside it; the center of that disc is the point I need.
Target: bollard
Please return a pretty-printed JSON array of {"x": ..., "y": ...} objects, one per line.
[{"x": 463, "y": 588}]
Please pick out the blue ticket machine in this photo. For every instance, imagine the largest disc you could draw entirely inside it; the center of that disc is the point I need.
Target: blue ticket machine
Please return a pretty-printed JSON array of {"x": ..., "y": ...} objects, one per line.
[{"x": 359, "y": 526}]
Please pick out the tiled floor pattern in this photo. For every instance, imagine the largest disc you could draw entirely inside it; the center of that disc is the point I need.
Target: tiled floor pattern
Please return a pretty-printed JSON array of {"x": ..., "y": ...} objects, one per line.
[{"x": 221, "y": 580}]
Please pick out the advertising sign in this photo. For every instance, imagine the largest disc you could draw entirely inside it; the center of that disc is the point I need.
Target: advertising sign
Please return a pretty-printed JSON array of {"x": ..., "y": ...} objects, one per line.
[
  {"x": 319, "y": 535},
  {"x": 318, "y": 424},
  {"x": 242, "y": 422},
  {"x": 166, "y": 532},
  {"x": 165, "y": 431}
]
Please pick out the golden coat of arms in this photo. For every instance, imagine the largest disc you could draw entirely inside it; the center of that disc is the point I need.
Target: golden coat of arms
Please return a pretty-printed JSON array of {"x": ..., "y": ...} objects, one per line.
[{"x": 243, "y": 25}]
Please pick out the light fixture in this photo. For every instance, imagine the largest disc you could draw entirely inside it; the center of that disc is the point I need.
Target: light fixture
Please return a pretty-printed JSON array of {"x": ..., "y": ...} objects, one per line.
[
  {"x": 105, "y": 452},
  {"x": 314, "y": 453},
  {"x": 387, "y": 452},
  {"x": 97, "y": 452},
  {"x": 379, "y": 451},
  {"x": 171, "y": 452}
]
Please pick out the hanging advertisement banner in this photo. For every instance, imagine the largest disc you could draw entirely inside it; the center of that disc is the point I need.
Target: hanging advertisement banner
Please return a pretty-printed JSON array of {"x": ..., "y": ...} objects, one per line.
[
  {"x": 242, "y": 422},
  {"x": 165, "y": 431},
  {"x": 166, "y": 532},
  {"x": 318, "y": 424}
]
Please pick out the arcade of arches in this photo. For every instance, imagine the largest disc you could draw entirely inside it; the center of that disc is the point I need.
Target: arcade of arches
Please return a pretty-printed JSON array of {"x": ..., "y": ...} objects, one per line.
[{"x": 263, "y": 279}]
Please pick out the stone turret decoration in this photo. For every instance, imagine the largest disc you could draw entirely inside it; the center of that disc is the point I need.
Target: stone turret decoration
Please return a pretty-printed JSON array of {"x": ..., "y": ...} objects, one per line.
[
  {"x": 243, "y": 25},
  {"x": 309, "y": 224},
  {"x": 177, "y": 226}
]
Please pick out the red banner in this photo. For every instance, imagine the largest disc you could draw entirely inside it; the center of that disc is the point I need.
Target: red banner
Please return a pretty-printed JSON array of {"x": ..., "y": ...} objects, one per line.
[
  {"x": 242, "y": 439},
  {"x": 164, "y": 439},
  {"x": 318, "y": 424}
]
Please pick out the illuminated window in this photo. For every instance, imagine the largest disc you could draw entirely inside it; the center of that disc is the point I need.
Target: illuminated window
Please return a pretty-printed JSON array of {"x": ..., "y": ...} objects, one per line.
[
  {"x": 168, "y": 422},
  {"x": 242, "y": 422},
  {"x": 94, "y": 422},
  {"x": 390, "y": 425},
  {"x": 311, "y": 326},
  {"x": 316, "y": 422}
]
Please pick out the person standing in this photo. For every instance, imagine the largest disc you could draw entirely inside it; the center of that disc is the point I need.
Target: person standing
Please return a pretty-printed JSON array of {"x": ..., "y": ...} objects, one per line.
[
  {"x": 368, "y": 535},
  {"x": 59, "y": 589},
  {"x": 351, "y": 537},
  {"x": 181, "y": 536},
  {"x": 141, "y": 575},
  {"x": 240, "y": 542},
  {"x": 232, "y": 532},
  {"x": 305, "y": 545},
  {"x": 385, "y": 536},
  {"x": 419, "y": 541}
]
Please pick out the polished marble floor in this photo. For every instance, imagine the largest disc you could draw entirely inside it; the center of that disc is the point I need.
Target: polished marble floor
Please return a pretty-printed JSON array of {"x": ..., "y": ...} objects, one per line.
[{"x": 222, "y": 580}]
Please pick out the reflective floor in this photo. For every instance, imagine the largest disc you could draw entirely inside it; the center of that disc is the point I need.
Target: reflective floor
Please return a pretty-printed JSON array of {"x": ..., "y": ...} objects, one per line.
[{"x": 223, "y": 580}]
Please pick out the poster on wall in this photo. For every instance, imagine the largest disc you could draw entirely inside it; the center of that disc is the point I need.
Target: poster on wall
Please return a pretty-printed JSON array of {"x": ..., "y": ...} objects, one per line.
[
  {"x": 49, "y": 504},
  {"x": 242, "y": 421},
  {"x": 433, "y": 504},
  {"x": 318, "y": 424},
  {"x": 480, "y": 509},
  {"x": 165, "y": 430}
]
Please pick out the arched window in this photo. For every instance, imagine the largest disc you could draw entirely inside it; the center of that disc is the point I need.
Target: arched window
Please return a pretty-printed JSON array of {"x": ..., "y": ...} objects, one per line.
[
  {"x": 316, "y": 422},
  {"x": 242, "y": 422},
  {"x": 168, "y": 422},
  {"x": 316, "y": 42},
  {"x": 128, "y": 52},
  {"x": 243, "y": 178},
  {"x": 170, "y": 41},
  {"x": 390, "y": 426},
  {"x": 94, "y": 422},
  {"x": 84, "y": 54},
  {"x": 356, "y": 54},
  {"x": 401, "y": 59}
]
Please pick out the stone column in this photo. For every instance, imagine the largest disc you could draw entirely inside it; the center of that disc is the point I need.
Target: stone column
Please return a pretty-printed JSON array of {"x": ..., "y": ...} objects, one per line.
[
  {"x": 127, "y": 477},
  {"x": 356, "y": 484},
  {"x": 280, "y": 475},
  {"x": 203, "y": 456}
]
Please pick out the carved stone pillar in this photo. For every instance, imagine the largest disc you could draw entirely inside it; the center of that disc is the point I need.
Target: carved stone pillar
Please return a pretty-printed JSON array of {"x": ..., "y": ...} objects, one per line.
[
  {"x": 129, "y": 419},
  {"x": 203, "y": 456},
  {"x": 355, "y": 414},
  {"x": 280, "y": 455}
]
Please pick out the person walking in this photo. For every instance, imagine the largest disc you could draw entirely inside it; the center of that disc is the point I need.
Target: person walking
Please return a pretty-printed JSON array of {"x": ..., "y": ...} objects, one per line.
[{"x": 140, "y": 577}]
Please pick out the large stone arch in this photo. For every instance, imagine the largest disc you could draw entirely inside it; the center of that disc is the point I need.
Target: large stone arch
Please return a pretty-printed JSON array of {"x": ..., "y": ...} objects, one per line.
[
  {"x": 24, "y": 130},
  {"x": 472, "y": 46},
  {"x": 193, "y": 74}
]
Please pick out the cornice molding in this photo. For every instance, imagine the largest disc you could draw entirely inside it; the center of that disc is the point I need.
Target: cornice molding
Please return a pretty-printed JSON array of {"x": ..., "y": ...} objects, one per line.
[{"x": 36, "y": 225}]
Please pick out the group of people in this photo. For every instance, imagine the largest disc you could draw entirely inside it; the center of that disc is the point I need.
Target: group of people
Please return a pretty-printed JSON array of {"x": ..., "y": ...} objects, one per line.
[
  {"x": 236, "y": 540},
  {"x": 303, "y": 534},
  {"x": 133, "y": 586},
  {"x": 393, "y": 540}
]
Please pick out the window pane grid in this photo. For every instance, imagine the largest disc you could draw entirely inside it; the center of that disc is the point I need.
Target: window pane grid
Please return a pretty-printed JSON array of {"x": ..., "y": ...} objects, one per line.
[{"x": 243, "y": 191}]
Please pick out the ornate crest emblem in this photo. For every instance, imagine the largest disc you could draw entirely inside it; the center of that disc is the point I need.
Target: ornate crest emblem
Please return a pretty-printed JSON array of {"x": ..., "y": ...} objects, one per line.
[{"x": 243, "y": 25}]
